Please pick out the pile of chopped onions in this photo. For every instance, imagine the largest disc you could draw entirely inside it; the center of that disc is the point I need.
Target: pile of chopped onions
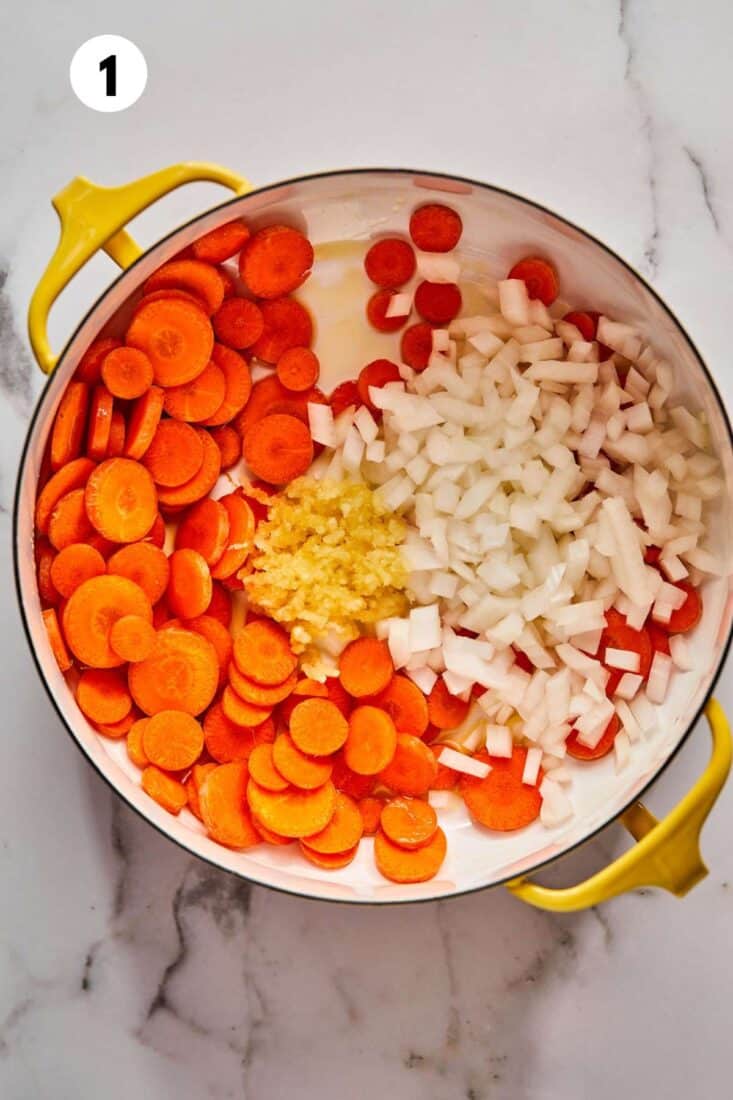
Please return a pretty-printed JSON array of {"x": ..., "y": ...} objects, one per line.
[{"x": 521, "y": 463}]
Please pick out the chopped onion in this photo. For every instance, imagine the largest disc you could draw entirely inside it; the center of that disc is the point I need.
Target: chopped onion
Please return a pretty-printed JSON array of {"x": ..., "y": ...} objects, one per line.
[
  {"x": 628, "y": 685},
  {"x": 532, "y": 764},
  {"x": 624, "y": 659},
  {"x": 499, "y": 741},
  {"x": 459, "y": 762}
]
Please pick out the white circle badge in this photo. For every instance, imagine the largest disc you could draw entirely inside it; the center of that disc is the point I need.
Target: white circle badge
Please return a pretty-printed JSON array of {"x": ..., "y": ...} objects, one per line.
[{"x": 108, "y": 73}]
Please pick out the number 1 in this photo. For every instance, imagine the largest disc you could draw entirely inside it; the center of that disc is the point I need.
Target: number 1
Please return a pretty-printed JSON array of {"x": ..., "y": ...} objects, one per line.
[{"x": 109, "y": 68}]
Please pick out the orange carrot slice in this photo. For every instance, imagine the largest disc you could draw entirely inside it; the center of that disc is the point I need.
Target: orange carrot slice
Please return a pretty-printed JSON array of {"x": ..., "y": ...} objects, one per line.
[
  {"x": 344, "y": 830},
  {"x": 200, "y": 279},
  {"x": 222, "y": 798},
  {"x": 298, "y": 369},
  {"x": 221, "y": 604},
  {"x": 405, "y": 866},
  {"x": 438, "y": 303},
  {"x": 198, "y": 399},
  {"x": 275, "y": 261},
  {"x": 375, "y": 375},
  {"x": 263, "y": 770},
  {"x": 69, "y": 425},
  {"x": 318, "y": 727},
  {"x": 258, "y": 694},
  {"x": 221, "y": 243},
  {"x": 182, "y": 673},
  {"x": 134, "y": 743},
  {"x": 204, "y": 528},
  {"x": 365, "y": 667},
  {"x": 390, "y": 262},
  {"x": 167, "y": 791},
  {"x": 173, "y": 740},
  {"x": 117, "y": 430},
  {"x": 143, "y": 423},
  {"x": 540, "y": 277},
  {"x": 44, "y": 558},
  {"x": 238, "y": 323},
  {"x": 175, "y": 454},
  {"x": 446, "y": 711},
  {"x": 270, "y": 396},
  {"x": 371, "y": 741},
  {"x": 201, "y": 484},
  {"x": 262, "y": 652},
  {"x": 416, "y": 346},
  {"x": 100, "y": 422},
  {"x": 412, "y": 769},
  {"x": 406, "y": 705},
  {"x": 56, "y": 639},
  {"x": 189, "y": 584},
  {"x": 348, "y": 781},
  {"x": 331, "y": 862},
  {"x": 292, "y": 813},
  {"x": 345, "y": 396},
  {"x": 132, "y": 638},
  {"x": 120, "y": 500},
  {"x": 409, "y": 822},
  {"x": 71, "y": 476},
  {"x": 278, "y": 449},
  {"x": 238, "y": 385},
  {"x": 127, "y": 373},
  {"x": 579, "y": 751},
  {"x": 435, "y": 227},
  {"x": 92, "y": 611},
  {"x": 241, "y": 712},
  {"x": 144, "y": 564},
  {"x": 75, "y": 564},
  {"x": 69, "y": 522},
  {"x": 90, "y": 364},
  {"x": 370, "y": 809},
  {"x": 501, "y": 801},
  {"x": 230, "y": 445},
  {"x": 176, "y": 336},
  {"x": 303, "y": 771},
  {"x": 102, "y": 695},
  {"x": 226, "y": 741},
  {"x": 241, "y": 536},
  {"x": 287, "y": 324},
  {"x": 220, "y": 638},
  {"x": 376, "y": 313},
  {"x": 199, "y": 772}
]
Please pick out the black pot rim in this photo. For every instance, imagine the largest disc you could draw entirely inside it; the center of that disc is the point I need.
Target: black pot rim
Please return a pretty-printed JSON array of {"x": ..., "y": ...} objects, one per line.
[{"x": 311, "y": 177}]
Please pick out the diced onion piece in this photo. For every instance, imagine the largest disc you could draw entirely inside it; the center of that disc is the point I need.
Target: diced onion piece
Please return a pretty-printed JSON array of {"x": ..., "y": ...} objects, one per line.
[
  {"x": 436, "y": 268},
  {"x": 514, "y": 301},
  {"x": 460, "y": 762},
  {"x": 680, "y": 654},
  {"x": 628, "y": 685},
  {"x": 624, "y": 659},
  {"x": 424, "y": 678},
  {"x": 556, "y": 807},
  {"x": 320, "y": 422},
  {"x": 499, "y": 741},
  {"x": 425, "y": 632},
  {"x": 399, "y": 305},
  {"x": 398, "y": 641},
  {"x": 532, "y": 766},
  {"x": 621, "y": 749},
  {"x": 658, "y": 680}
]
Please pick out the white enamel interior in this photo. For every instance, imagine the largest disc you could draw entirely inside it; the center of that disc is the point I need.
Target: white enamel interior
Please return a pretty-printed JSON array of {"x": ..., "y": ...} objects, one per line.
[{"x": 498, "y": 229}]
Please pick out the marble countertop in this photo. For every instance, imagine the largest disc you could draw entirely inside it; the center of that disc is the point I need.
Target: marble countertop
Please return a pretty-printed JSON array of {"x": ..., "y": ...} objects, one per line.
[{"x": 127, "y": 968}]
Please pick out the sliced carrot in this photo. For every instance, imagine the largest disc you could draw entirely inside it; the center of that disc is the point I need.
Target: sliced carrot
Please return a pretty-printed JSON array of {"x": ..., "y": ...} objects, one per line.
[
  {"x": 204, "y": 528},
  {"x": 501, "y": 801},
  {"x": 175, "y": 454},
  {"x": 100, "y": 422},
  {"x": 332, "y": 861},
  {"x": 376, "y": 312},
  {"x": 406, "y": 705},
  {"x": 120, "y": 500},
  {"x": 263, "y": 770},
  {"x": 584, "y": 322},
  {"x": 199, "y": 773},
  {"x": 540, "y": 277},
  {"x": 376, "y": 374},
  {"x": 304, "y": 688},
  {"x": 230, "y": 445},
  {"x": 292, "y": 812},
  {"x": 172, "y": 292},
  {"x": 409, "y": 822},
  {"x": 182, "y": 673},
  {"x": 132, "y": 638},
  {"x": 412, "y": 769},
  {"x": 416, "y": 346},
  {"x": 287, "y": 324},
  {"x": 221, "y": 604},
  {"x": 408, "y": 866},
  {"x": 90, "y": 364},
  {"x": 302, "y": 770},
  {"x": 258, "y": 694},
  {"x": 118, "y": 730},
  {"x": 176, "y": 336},
  {"x": 370, "y": 809},
  {"x": 344, "y": 396},
  {"x": 390, "y": 262},
  {"x": 127, "y": 373},
  {"x": 659, "y": 639},
  {"x": 220, "y": 638},
  {"x": 202, "y": 482},
  {"x": 117, "y": 430},
  {"x": 688, "y": 616},
  {"x": 143, "y": 422},
  {"x": 189, "y": 584},
  {"x": 198, "y": 399},
  {"x": 238, "y": 385},
  {"x": 241, "y": 536},
  {"x": 145, "y": 564},
  {"x": 435, "y": 227},
  {"x": 134, "y": 743},
  {"x": 221, "y": 243},
  {"x": 371, "y": 741},
  {"x": 350, "y": 782},
  {"x": 240, "y": 712},
  {"x": 226, "y": 741},
  {"x": 173, "y": 740},
  {"x": 72, "y": 476},
  {"x": 69, "y": 522},
  {"x": 298, "y": 369},
  {"x": 318, "y": 727},
  {"x": 365, "y": 667},
  {"x": 269, "y": 837},
  {"x": 75, "y": 564},
  {"x": 344, "y": 830},
  {"x": 227, "y": 278},
  {"x": 44, "y": 558},
  {"x": 222, "y": 798},
  {"x": 238, "y": 323},
  {"x": 270, "y": 396},
  {"x": 162, "y": 615},
  {"x": 262, "y": 652},
  {"x": 92, "y": 611},
  {"x": 579, "y": 751},
  {"x": 167, "y": 791},
  {"x": 102, "y": 695},
  {"x": 198, "y": 278},
  {"x": 69, "y": 425},
  {"x": 438, "y": 303},
  {"x": 56, "y": 639},
  {"x": 338, "y": 695},
  {"x": 446, "y": 778},
  {"x": 446, "y": 711},
  {"x": 619, "y": 635},
  {"x": 275, "y": 261}
]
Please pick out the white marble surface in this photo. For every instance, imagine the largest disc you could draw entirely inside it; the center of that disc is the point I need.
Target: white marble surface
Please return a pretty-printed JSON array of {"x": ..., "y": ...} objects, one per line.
[{"x": 129, "y": 969}]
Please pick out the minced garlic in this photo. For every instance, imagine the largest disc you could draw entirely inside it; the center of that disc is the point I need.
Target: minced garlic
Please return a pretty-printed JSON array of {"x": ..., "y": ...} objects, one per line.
[{"x": 327, "y": 561}]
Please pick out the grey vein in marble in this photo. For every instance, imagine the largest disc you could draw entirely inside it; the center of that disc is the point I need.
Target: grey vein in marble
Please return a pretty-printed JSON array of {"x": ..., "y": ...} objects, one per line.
[
  {"x": 15, "y": 363},
  {"x": 705, "y": 185}
]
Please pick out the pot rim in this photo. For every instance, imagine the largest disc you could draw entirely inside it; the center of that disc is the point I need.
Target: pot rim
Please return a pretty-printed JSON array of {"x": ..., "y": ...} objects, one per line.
[{"x": 426, "y": 175}]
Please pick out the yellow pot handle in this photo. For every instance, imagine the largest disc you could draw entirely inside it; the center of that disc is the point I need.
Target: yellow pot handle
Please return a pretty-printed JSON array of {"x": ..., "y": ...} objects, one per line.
[
  {"x": 667, "y": 852},
  {"x": 93, "y": 217}
]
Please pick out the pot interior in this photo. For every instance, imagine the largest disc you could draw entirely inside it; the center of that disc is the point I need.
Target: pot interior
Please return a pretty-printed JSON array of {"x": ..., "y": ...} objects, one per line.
[{"x": 339, "y": 212}]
